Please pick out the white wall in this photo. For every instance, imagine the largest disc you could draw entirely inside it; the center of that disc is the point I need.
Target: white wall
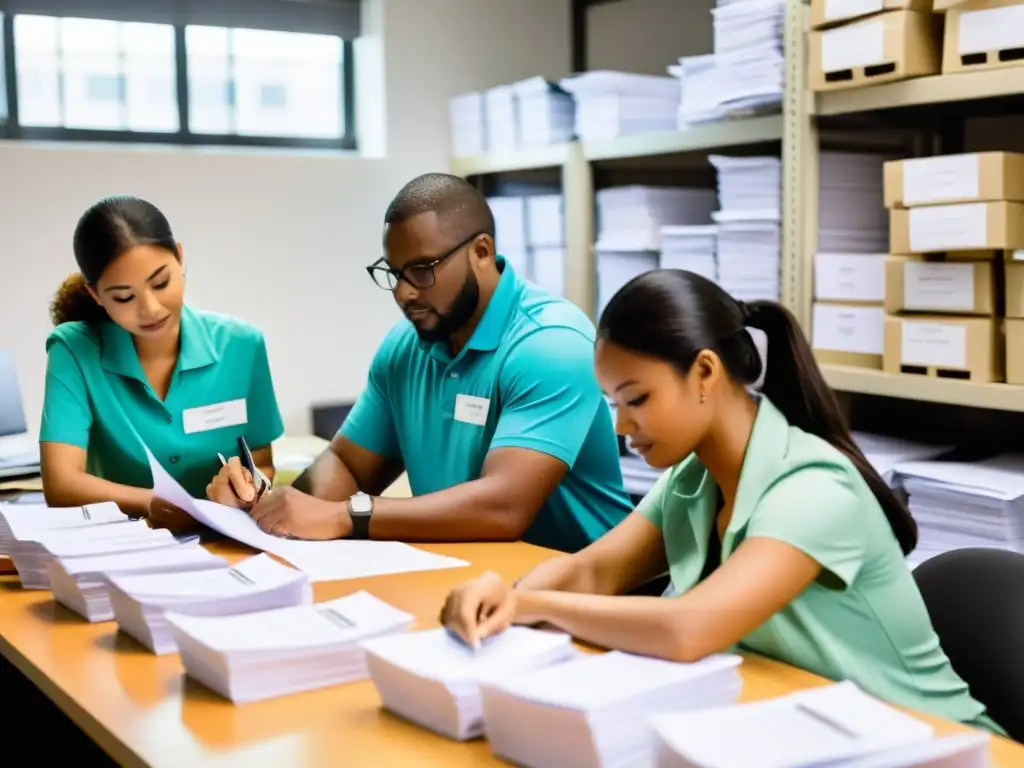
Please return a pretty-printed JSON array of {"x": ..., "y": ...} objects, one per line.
[{"x": 278, "y": 239}]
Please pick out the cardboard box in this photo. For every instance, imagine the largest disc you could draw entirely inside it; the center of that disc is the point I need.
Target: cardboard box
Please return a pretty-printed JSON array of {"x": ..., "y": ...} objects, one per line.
[
  {"x": 941, "y": 6},
  {"x": 962, "y": 227},
  {"x": 1015, "y": 351},
  {"x": 975, "y": 176},
  {"x": 982, "y": 35},
  {"x": 940, "y": 284},
  {"x": 827, "y": 13},
  {"x": 879, "y": 49},
  {"x": 848, "y": 334},
  {"x": 850, "y": 277},
  {"x": 1015, "y": 289},
  {"x": 968, "y": 348}
]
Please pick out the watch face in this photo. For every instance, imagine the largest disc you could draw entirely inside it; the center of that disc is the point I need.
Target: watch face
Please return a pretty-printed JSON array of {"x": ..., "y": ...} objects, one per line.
[{"x": 360, "y": 505}]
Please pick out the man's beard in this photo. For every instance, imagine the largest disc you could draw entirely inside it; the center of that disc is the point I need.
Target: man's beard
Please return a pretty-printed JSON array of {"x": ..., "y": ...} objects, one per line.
[{"x": 459, "y": 313}]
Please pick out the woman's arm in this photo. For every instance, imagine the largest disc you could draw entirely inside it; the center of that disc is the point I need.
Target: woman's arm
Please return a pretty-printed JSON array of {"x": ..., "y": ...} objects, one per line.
[
  {"x": 630, "y": 554},
  {"x": 760, "y": 578},
  {"x": 67, "y": 484}
]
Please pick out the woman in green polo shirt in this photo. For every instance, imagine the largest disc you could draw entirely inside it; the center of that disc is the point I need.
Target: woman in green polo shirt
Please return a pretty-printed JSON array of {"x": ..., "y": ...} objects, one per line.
[
  {"x": 131, "y": 366},
  {"x": 777, "y": 533}
]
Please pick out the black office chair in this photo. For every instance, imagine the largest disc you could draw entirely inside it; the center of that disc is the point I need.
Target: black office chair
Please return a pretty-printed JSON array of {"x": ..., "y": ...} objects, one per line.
[{"x": 975, "y": 598}]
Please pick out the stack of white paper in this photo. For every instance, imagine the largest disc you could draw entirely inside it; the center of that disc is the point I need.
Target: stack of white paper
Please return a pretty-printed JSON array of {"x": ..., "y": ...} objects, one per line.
[
  {"x": 500, "y": 119},
  {"x": 613, "y": 104},
  {"x": 960, "y": 504},
  {"x": 23, "y": 521},
  {"x": 748, "y": 45},
  {"x": 260, "y": 655},
  {"x": 701, "y": 95},
  {"x": 432, "y": 679},
  {"x": 545, "y": 113},
  {"x": 594, "y": 711},
  {"x": 32, "y": 557},
  {"x": 140, "y": 602},
  {"x": 851, "y": 211},
  {"x": 468, "y": 125},
  {"x": 749, "y": 235},
  {"x": 838, "y": 725},
  {"x": 510, "y": 230},
  {"x": 545, "y": 233},
  {"x": 886, "y": 453},
  {"x": 80, "y": 582},
  {"x": 691, "y": 248}
]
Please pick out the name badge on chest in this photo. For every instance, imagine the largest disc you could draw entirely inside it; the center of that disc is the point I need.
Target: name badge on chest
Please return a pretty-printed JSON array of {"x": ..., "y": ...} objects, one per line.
[
  {"x": 472, "y": 410},
  {"x": 230, "y": 413}
]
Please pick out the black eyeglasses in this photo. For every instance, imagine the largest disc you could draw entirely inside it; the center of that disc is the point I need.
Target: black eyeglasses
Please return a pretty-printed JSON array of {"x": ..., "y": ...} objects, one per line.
[{"x": 419, "y": 275}]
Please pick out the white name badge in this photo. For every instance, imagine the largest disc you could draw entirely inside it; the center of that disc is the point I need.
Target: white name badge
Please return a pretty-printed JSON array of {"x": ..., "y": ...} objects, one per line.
[
  {"x": 472, "y": 410},
  {"x": 230, "y": 413}
]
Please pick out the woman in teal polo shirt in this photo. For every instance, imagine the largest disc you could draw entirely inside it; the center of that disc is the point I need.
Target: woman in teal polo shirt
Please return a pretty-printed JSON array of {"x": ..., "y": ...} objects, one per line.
[
  {"x": 777, "y": 533},
  {"x": 131, "y": 366}
]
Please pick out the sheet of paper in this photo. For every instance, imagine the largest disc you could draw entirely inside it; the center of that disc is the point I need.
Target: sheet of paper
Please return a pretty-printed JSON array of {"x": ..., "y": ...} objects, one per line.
[
  {"x": 38, "y": 517},
  {"x": 346, "y": 619},
  {"x": 99, "y": 539},
  {"x": 320, "y": 560},
  {"x": 253, "y": 574},
  {"x": 183, "y": 555}
]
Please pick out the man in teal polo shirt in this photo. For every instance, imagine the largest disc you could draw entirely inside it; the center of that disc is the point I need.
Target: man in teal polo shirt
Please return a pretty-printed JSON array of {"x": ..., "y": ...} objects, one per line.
[{"x": 485, "y": 394}]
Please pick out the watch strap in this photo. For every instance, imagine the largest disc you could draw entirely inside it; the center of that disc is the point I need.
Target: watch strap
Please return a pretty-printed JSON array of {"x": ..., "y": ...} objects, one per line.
[{"x": 360, "y": 526}]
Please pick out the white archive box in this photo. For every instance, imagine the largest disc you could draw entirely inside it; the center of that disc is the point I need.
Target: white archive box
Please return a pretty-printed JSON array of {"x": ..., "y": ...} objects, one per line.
[
  {"x": 848, "y": 334},
  {"x": 849, "y": 276}
]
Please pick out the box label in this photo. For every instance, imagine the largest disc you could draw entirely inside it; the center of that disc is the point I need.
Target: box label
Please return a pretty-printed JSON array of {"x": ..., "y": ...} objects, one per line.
[
  {"x": 859, "y": 330},
  {"x": 859, "y": 45},
  {"x": 849, "y": 9},
  {"x": 948, "y": 228},
  {"x": 934, "y": 179},
  {"x": 849, "y": 277},
  {"x": 942, "y": 345},
  {"x": 945, "y": 287},
  {"x": 991, "y": 30}
]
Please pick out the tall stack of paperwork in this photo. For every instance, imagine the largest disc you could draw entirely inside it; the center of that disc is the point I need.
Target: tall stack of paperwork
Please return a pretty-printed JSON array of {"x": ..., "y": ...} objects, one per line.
[
  {"x": 23, "y": 521},
  {"x": 749, "y": 236},
  {"x": 545, "y": 113},
  {"x": 613, "y": 104},
  {"x": 545, "y": 231},
  {"x": 691, "y": 248},
  {"x": 852, "y": 217},
  {"x": 630, "y": 220},
  {"x": 510, "y": 230},
  {"x": 468, "y": 126},
  {"x": 500, "y": 119},
  {"x": 700, "y": 96}
]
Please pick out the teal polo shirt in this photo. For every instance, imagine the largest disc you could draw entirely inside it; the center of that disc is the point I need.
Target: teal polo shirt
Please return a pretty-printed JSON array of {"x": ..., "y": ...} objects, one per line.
[
  {"x": 98, "y": 398},
  {"x": 525, "y": 379}
]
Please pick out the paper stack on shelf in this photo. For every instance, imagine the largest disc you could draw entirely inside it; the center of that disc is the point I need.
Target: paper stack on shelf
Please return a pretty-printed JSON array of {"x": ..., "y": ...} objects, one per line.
[
  {"x": 961, "y": 504},
  {"x": 700, "y": 93},
  {"x": 80, "y": 583},
  {"x": 500, "y": 119},
  {"x": 837, "y": 725},
  {"x": 510, "y": 230},
  {"x": 690, "y": 248},
  {"x": 545, "y": 113},
  {"x": 612, "y": 104},
  {"x": 748, "y": 45},
  {"x": 23, "y": 521},
  {"x": 32, "y": 557},
  {"x": 594, "y": 711},
  {"x": 432, "y": 679},
  {"x": 545, "y": 225},
  {"x": 468, "y": 128},
  {"x": 852, "y": 217},
  {"x": 886, "y": 453},
  {"x": 260, "y": 655},
  {"x": 140, "y": 602},
  {"x": 749, "y": 235}
]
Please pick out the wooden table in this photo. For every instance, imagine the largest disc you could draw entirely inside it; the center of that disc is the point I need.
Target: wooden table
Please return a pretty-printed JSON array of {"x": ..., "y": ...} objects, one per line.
[{"x": 143, "y": 711}]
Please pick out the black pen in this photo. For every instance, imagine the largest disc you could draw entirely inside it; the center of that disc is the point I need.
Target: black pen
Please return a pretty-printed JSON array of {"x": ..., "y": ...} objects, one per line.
[{"x": 258, "y": 478}]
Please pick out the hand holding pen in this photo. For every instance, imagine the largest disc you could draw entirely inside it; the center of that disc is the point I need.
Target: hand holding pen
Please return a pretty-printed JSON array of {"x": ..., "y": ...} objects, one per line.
[{"x": 240, "y": 483}]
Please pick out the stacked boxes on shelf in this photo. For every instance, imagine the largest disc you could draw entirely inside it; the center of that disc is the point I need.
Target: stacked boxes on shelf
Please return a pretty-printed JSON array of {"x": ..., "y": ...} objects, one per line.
[
  {"x": 1015, "y": 322},
  {"x": 866, "y": 42},
  {"x": 954, "y": 222},
  {"x": 983, "y": 35}
]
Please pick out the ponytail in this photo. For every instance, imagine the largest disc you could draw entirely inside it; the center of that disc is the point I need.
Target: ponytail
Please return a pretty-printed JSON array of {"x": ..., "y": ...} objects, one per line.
[
  {"x": 73, "y": 303},
  {"x": 793, "y": 382}
]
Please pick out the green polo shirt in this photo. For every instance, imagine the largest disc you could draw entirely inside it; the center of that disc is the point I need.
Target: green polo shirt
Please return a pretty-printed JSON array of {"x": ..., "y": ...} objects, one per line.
[
  {"x": 525, "y": 379},
  {"x": 97, "y": 398},
  {"x": 863, "y": 619}
]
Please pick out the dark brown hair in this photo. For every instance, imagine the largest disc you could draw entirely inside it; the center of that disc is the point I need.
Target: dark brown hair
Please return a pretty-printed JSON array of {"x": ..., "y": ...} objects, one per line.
[
  {"x": 108, "y": 229},
  {"x": 671, "y": 315}
]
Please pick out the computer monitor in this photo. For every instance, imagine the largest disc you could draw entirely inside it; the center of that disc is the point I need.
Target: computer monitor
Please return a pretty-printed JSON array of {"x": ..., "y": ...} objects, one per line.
[{"x": 12, "y": 413}]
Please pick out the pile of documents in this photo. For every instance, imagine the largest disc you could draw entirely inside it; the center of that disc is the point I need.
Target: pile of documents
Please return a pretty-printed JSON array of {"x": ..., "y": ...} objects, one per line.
[
  {"x": 851, "y": 214},
  {"x": 885, "y": 453},
  {"x": 595, "y": 711},
  {"x": 691, "y": 248},
  {"x": 749, "y": 234},
  {"x": 500, "y": 119},
  {"x": 838, "y": 725},
  {"x": 545, "y": 113},
  {"x": 32, "y": 556},
  {"x": 255, "y": 656},
  {"x": 509, "y": 213},
  {"x": 467, "y": 124},
  {"x": 960, "y": 504},
  {"x": 80, "y": 583},
  {"x": 612, "y": 104},
  {"x": 545, "y": 236},
  {"x": 140, "y": 602},
  {"x": 700, "y": 96},
  {"x": 434, "y": 680},
  {"x": 23, "y": 521},
  {"x": 748, "y": 45}
]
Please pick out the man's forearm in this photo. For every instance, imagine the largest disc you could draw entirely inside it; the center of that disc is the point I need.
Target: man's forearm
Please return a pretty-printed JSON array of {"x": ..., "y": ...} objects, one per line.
[
  {"x": 472, "y": 511},
  {"x": 329, "y": 479}
]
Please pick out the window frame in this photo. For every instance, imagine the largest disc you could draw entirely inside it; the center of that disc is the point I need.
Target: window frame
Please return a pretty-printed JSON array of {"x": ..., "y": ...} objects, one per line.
[{"x": 12, "y": 128}]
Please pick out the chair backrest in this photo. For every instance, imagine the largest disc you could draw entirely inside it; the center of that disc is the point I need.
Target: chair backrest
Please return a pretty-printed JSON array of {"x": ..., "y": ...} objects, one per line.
[
  {"x": 12, "y": 414},
  {"x": 975, "y": 598}
]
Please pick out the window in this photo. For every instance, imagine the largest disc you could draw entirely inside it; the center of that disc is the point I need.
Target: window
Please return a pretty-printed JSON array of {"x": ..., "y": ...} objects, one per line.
[{"x": 139, "y": 80}]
